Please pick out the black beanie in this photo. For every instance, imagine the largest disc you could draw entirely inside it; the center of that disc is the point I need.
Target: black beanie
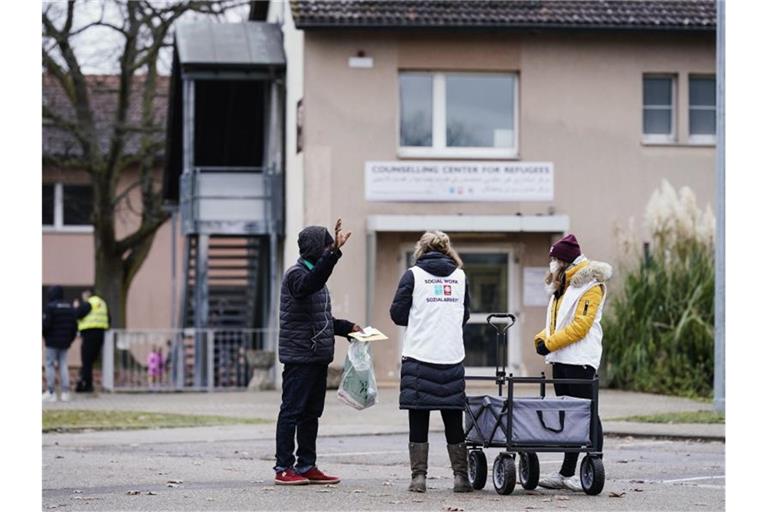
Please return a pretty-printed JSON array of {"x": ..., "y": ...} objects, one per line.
[{"x": 312, "y": 242}]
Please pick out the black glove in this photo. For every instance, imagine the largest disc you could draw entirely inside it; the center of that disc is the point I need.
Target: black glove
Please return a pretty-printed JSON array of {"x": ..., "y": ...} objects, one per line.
[{"x": 541, "y": 348}]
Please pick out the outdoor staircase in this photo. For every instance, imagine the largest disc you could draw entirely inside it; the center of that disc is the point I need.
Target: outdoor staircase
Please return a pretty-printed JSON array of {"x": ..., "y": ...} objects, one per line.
[{"x": 234, "y": 281}]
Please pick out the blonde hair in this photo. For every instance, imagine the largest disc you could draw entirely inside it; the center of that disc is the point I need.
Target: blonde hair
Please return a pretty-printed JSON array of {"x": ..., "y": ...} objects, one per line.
[{"x": 439, "y": 242}]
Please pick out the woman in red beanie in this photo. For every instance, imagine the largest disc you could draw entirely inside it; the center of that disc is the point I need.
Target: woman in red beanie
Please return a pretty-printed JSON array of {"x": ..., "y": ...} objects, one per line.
[{"x": 572, "y": 339}]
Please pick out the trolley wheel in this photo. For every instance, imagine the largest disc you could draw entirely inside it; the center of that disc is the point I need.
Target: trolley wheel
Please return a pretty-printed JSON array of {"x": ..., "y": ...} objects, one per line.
[
  {"x": 592, "y": 474},
  {"x": 528, "y": 469},
  {"x": 504, "y": 474},
  {"x": 478, "y": 469}
]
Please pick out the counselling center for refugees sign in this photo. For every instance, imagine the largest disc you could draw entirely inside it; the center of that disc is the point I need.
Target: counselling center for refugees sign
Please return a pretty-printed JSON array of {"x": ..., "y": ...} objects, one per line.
[{"x": 459, "y": 181}]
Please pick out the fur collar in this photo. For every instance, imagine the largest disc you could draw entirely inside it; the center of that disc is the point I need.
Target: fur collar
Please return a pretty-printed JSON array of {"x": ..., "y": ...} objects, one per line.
[{"x": 597, "y": 270}]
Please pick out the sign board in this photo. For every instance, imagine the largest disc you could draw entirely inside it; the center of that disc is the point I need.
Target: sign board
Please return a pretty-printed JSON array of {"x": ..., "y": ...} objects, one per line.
[
  {"x": 459, "y": 181},
  {"x": 534, "y": 291}
]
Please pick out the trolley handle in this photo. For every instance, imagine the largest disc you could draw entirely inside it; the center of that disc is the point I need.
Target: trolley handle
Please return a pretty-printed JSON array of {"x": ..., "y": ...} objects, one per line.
[{"x": 509, "y": 316}]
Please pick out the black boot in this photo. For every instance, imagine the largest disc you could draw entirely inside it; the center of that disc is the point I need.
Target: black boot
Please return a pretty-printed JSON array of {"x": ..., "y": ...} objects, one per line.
[
  {"x": 80, "y": 387},
  {"x": 458, "y": 455},
  {"x": 418, "y": 453}
]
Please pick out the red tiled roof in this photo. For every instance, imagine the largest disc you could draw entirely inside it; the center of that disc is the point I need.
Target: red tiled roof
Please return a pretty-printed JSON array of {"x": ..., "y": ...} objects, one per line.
[
  {"x": 572, "y": 14},
  {"x": 103, "y": 98}
]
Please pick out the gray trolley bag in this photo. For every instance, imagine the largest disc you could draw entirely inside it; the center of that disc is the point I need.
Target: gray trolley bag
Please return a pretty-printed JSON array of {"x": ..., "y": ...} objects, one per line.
[{"x": 526, "y": 425}]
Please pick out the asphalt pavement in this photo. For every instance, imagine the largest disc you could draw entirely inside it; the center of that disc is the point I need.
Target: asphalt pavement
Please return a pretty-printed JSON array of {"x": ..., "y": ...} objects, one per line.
[{"x": 648, "y": 466}]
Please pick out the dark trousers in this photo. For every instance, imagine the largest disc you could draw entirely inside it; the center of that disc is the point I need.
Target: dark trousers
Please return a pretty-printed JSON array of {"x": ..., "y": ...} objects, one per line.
[
  {"x": 418, "y": 425},
  {"x": 571, "y": 371},
  {"x": 92, "y": 340},
  {"x": 302, "y": 405}
]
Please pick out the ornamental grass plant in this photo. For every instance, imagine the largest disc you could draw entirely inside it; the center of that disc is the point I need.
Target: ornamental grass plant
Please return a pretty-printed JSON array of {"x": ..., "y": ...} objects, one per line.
[{"x": 659, "y": 327}]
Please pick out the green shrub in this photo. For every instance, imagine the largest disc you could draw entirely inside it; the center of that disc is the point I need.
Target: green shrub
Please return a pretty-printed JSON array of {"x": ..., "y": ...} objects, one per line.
[{"x": 659, "y": 328}]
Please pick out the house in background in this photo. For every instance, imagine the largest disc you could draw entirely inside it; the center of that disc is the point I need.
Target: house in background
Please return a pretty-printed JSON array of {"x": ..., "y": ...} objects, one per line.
[
  {"x": 504, "y": 124},
  {"x": 214, "y": 267},
  {"x": 67, "y": 235}
]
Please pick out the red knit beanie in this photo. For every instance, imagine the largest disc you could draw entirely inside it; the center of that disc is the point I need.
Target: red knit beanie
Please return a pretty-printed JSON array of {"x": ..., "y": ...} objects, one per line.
[{"x": 566, "y": 249}]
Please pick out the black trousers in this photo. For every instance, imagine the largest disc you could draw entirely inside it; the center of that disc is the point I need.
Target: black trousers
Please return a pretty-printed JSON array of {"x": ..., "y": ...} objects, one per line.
[
  {"x": 418, "y": 425},
  {"x": 92, "y": 340},
  {"x": 302, "y": 405},
  {"x": 571, "y": 371}
]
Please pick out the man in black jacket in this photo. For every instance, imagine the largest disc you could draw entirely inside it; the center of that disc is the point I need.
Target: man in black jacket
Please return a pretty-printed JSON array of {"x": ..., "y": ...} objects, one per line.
[
  {"x": 59, "y": 331},
  {"x": 307, "y": 330}
]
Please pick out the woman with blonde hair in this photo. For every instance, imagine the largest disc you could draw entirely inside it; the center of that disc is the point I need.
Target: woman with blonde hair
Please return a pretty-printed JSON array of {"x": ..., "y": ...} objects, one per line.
[{"x": 432, "y": 302}]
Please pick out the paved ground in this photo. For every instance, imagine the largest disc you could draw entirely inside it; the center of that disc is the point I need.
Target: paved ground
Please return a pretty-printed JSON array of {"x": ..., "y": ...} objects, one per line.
[
  {"x": 229, "y": 467},
  {"x": 219, "y": 469}
]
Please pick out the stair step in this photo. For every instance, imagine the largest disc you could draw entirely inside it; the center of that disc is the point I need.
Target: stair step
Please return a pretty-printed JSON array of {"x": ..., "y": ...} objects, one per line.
[
  {"x": 233, "y": 246},
  {"x": 213, "y": 257}
]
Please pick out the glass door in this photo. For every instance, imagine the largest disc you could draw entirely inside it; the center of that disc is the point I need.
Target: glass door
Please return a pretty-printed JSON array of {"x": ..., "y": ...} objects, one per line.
[{"x": 488, "y": 277}]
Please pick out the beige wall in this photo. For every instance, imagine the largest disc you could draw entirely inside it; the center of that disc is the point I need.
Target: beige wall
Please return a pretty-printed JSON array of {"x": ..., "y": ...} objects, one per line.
[
  {"x": 68, "y": 260},
  {"x": 580, "y": 108}
]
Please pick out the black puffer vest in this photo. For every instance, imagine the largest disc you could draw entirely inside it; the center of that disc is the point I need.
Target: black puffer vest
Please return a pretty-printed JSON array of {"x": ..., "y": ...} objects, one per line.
[
  {"x": 429, "y": 386},
  {"x": 306, "y": 325}
]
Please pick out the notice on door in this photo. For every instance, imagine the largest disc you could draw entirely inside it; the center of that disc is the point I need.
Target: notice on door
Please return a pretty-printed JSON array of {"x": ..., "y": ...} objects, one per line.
[
  {"x": 534, "y": 291},
  {"x": 459, "y": 181}
]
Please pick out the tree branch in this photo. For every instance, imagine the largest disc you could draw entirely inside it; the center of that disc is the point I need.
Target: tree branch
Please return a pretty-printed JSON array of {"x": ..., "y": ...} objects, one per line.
[{"x": 125, "y": 192}]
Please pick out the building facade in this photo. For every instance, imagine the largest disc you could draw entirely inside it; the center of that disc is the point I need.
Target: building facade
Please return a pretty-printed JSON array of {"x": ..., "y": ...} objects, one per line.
[{"x": 505, "y": 124}]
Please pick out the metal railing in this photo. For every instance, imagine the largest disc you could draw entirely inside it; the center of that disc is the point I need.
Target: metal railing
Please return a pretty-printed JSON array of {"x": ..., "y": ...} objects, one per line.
[
  {"x": 231, "y": 199},
  {"x": 164, "y": 360}
]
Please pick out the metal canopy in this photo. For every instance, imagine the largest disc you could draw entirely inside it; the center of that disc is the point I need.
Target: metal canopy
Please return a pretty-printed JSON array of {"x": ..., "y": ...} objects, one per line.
[{"x": 247, "y": 45}]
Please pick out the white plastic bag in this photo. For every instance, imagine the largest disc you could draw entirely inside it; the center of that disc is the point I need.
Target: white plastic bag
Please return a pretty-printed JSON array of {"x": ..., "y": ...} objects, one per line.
[{"x": 358, "y": 382}]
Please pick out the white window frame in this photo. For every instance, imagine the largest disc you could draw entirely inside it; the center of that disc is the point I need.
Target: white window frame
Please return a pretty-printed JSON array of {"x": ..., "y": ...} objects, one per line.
[
  {"x": 514, "y": 345},
  {"x": 439, "y": 149},
  {"x": 58, "y": 214},
  {"x": 658, "y": 138},
  {"x": 700, "y": 138}
]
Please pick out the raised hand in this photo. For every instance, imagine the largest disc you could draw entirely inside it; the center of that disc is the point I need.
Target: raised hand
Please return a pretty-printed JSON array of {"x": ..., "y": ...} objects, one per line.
[{"x": 340, "y": 237}]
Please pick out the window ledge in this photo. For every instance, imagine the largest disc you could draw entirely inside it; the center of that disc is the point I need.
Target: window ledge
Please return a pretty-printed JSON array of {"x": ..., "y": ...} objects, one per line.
[
  {"x": 68, "y": 229},
  {"x": 458, "y": 153},
  {"x": 678, "y": 144}
]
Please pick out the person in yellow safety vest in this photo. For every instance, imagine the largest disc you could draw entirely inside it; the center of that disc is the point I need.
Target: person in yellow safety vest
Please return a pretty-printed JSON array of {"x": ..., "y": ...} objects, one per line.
[{"x": 93, "y": 319}]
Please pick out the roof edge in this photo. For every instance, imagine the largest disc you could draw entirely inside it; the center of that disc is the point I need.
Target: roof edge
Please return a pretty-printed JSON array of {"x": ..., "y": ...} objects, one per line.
[{"x": 506, "y": 26}]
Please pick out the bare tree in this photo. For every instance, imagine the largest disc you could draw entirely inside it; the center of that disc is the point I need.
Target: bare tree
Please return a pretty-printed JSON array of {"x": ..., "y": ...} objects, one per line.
[{"x": 144, "y": 30}]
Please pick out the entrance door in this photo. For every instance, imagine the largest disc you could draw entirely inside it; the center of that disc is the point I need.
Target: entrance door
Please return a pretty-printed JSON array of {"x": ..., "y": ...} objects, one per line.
[{"x": 490, "y": 289}]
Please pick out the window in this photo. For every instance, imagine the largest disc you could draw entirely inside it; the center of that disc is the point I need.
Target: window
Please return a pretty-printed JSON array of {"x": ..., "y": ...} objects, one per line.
[
  {"x": 67, "y": 207},
  {"x": 78, "y": 204},
  {"x": 701, "y": 109},
  {"x": 458, "y": 115},
  {"x": 48, "y": 204},
  {"x": 659, "y": 108}
]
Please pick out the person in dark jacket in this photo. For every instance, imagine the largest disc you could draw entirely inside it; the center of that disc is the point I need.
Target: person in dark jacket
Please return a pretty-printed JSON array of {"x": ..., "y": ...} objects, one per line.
[
  {"x": 306, "y": 343},
  {"x": 59, "y": 331},
  {"x": 432, "y": 302}
]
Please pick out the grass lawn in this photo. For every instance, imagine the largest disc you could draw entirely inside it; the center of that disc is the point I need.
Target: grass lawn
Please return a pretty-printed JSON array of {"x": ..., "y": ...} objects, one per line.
[
  {"x": 65, "y": 420},
  {"x": 679, "y": 417}
]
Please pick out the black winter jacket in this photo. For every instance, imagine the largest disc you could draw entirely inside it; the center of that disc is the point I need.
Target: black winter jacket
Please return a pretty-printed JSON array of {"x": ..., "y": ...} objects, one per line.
[
  {"x": 59, "y": 320},
  {"x": 307, "y": 326}
]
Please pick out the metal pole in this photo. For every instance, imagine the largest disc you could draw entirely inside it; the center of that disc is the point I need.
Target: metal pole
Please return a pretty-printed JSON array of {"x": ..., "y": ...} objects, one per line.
[
  {"x": 719, "y": 384},
  {"x": 174, "y": 313},
  {"x": 201, "y": 307},
  {"x": 108, "y": 362}
]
